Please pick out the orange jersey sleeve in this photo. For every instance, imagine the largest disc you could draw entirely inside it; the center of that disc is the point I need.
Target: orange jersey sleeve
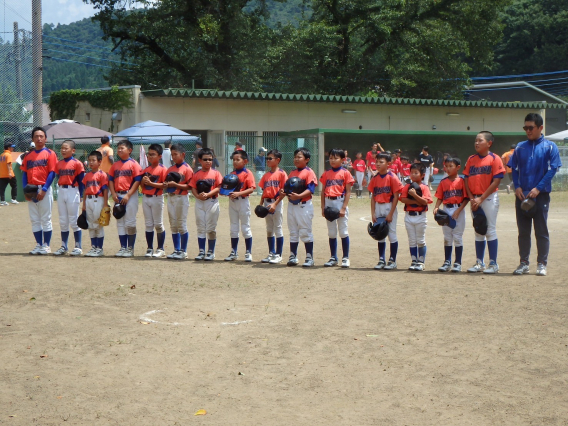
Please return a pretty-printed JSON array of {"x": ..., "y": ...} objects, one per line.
[
  {"x": 480, "y": 172},
  {"x": 335, "y": 182},
  {"x": 272, "y": 183},
  {"x": 451, "y": 192}
]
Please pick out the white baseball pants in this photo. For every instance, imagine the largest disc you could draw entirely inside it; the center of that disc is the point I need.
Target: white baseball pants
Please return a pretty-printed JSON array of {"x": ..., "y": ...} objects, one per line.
[
  {"x": 382, "y": 210},
  {"x": 274, "y": 221},
  {"x": 206, "y": 218},
  {"x": 359, "y": 176},
  {"x": 490, "y": 207},
  {"x": 126, "y": 225},
  {"x": 93, "y": 209},
  {"x": 300, "y": 218},
  {"x": 455, "y": 235},
  {"x": 426, "y": 180},
  {"x": 153, "y": 209},
  {"x": 239, "y": 213},
  {"x": 40, "y": 212},
  {"x": 178, "y": 206},
  {"x": 416, "y": 229},
  {"x": 68, "y": 205},
  {"x": 338, "y": 224}
]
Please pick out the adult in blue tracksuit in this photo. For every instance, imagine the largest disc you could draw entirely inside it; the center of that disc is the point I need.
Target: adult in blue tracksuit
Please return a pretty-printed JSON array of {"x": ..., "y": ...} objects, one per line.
[{"x": 534, "y": 163}]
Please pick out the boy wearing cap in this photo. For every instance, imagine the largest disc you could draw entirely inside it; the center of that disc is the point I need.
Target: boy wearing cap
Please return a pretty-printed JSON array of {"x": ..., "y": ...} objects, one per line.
[
  {"x": 7, "y": 176},
  {"x": 452, "y": 193}
]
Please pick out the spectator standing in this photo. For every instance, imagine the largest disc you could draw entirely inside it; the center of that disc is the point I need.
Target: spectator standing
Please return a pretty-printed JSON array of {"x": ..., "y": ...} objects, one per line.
[
  {"x": 427, "y": 161},
  {"x": 260, "y": 167},
  {"x": 7, "y": 176},
  {"x": 506, "y": 157},
  {"x": 167, "y": 155},
  {"x": 107, "y": 153},
  {"x": 195, "y": 164}
]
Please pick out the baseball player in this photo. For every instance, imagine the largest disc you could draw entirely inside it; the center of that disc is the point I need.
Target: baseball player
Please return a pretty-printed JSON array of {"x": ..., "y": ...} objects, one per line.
[
  {"x": 393, "y": 165},
  {"x": 386, "y": 189},
  {"x": 483, "y": 173},
  {"x": 39, "y": 169},
  {"x": 94, "y": 199},
  {"x": 71, "y": 173},
  {"x": 452, "y": 193},
  {"x": 371, "y": 159},
  {"x": 178, "y": 202},
  {"x": 7, "y": 176},
  {"x": 239, "y": 206},
  {"x": 272, "y": 182},
  {"x": 124, "y": 179},
  {"x": 301, "y": 210},
  {"x": 205, "y": 185},
  {"x": 415, "y": 221},
  {"x": 152, "y": 184},
  {"x": 337, "y": 183},
  {"x": 427, "y": 161},
  {"x": 359, "y": 167},
  {"x": 404, "y": 169}
]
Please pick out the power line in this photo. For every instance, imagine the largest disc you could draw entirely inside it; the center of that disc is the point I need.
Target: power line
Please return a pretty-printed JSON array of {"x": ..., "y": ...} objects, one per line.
[
  {"x": 78, "y": 62},
  {"x": 85, "y": 56},
  {"x": 77, "y": 47},
  {"x": 71, "y": 41},
  {"x": 93, "y": 47},
  {"x": 13, "y": 10},
  {"x": 495, "y": 77}
]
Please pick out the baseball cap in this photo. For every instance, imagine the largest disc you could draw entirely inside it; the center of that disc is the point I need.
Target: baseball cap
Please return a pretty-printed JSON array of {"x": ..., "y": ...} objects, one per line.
[
  {"x": 262, "y": 149},
  {"x": 32, "y": 145},
  {"x": 9, "y": 145}
]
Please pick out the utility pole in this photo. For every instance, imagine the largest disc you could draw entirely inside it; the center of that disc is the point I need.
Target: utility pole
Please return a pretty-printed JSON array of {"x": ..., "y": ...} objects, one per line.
[
  {"x": 37, "y": 67},
  {"x": 18, "y": 61}
]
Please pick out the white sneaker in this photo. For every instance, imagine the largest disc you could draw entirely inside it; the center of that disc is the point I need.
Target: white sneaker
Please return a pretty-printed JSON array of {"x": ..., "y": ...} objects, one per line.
[
  {"x": 45, "y": 249},
  {"x": 121, "y": 252},
  {"x": 159, "y": 253},
  {"x": 60, "y": 251},
  {"x": 493, "y": 268},
  {"x": 267, "y": 258},
  {"x": 173, "y": 255},
  {"x": 419, "y": 266},
  {"x": 380, "y": 265},
  {"x": 276, "y": 258},
  {"x": 331, "y": 262},
  {"x": 456, "y": 268},
  {"x": 541, "y": 270},
  {"x": 201, "y": 255},
  {"x": 345, "y": 263},
  {"x": 91, "y": 253},
  {"x": 293, "y": 261},
  {"x": 445, "y": 267},
  {"x": 149, "y": 253},
  {"x": 181, "y": 255},
  {"x": 391, "y": 265},
  {"x": 478, "y": 267},
  {"x": 36, "y": 249},
  {"x": 3, "y": 203},
  {"x": 309, "y": 262},
  {"x": 523, "y": 268},
  {"x": 412, "y": 266},
  {"x": 129, "y": 252},
  {"x": 76, "y": 252},
  {"x": 232, "y": 256},
  {"x": 14, "y": 202},
  {"x": 209, "y": 256},
  {"x": 98, "y": 252},
  {"x": 248, "y": 256}
]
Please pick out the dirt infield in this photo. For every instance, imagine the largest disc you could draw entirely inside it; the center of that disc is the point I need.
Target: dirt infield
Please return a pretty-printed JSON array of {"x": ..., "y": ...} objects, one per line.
[{"x": 150, "y": 342}]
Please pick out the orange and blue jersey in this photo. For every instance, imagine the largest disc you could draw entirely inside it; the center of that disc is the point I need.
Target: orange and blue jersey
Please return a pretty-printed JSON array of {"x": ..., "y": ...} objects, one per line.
[
  {"x": 335, "y": 181},
  {"x": 480, "y": 172},
  {"x": 95, "y": 183},
  {"x": 417, "y": 207},
  {"x": 246, "y": 178},
  {"x": 271, "y": 183},
  {"x": 359, "y": 165},
  {"x": 451, "y": 191},
  {"x": 212, "y": 177},
  {"x": 69, "y": 171},
  {"x": 308, "y": 177},
  {"x": 39, "y": 167},
  {"x": 186, "y": 172},
  {"x": 158, "y": 175},
  {"x": 124, "y": 173},
  {"x": 383, "y": 187}
]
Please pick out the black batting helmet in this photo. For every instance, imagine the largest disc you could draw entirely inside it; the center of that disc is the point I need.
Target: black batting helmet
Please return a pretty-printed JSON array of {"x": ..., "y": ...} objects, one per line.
[
  {"x": 261, "y": 211},
  {"x": 294, "y": 185},
  {"x": 230, "y": 184},
  {"x": 82, "y": 221},
  {"x": 173, "y": 177},
  {"x": 479, "y": 221},
  {"x": 378, "y": 230},
  {"x": 119, "y": 210},
  {"x": 203, "y": 186},
  {"x": 416, "y": 187},
  {"x": 331, "y": 213}
]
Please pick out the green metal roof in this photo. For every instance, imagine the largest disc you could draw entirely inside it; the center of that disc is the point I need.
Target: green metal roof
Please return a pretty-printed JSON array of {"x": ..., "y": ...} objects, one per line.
[
  {"x": 393, "y": 132},
  {"x": 259, "y": 96}
]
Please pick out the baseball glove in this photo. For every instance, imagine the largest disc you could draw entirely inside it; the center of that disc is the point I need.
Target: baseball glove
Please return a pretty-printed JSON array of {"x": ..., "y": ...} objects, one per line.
[{"x": 104, "y": 218}]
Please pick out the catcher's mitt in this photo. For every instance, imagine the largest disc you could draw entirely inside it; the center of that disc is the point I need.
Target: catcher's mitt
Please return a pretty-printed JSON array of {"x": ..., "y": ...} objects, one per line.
[{"x": 104, "y": 217}]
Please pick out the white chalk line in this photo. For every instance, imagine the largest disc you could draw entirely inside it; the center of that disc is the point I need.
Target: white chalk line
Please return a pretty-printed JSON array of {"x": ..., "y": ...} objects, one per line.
[
  {"x": 236, "y": 322},
  {"x": 145, "y": 317}
]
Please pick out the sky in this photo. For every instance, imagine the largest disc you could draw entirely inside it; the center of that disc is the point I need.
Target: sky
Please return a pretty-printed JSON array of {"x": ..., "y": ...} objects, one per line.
[{"x": 54, "y": 12}]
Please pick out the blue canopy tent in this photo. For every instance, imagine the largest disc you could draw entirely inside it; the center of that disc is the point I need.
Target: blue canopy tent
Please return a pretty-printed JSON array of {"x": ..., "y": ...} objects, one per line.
[{"x": 149, "y": 132}]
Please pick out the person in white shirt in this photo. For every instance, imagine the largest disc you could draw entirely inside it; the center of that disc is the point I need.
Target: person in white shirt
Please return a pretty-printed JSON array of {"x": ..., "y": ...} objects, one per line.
[{"x": 167, "y": 155}]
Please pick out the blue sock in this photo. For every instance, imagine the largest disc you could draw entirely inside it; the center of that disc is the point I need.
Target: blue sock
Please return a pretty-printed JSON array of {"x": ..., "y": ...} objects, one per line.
[
  {"x": 448, "y": 253},
  {"x": 93, "y": 242},
  {"x": 294, "y": 248},
  {"x": 345, "y": 246},
  {"x": 38, "y": 235},
  {"x": 64, "y": 238},
  {"x": 333, "y": 247},
  {"x": 235, "y": 244},
  {"x": 422, "y": 254},
  {"x": 184, "y": 238},
  {"x": 201, "y": 243},
  {"x": 176, "y": 240},
  {"x": 271, "y": 244},
  {"x": 78, "y": 237},
  {"x": 131, "y": 240},
  {"x": 47, "y": 237},
  {"x": 211, "y": 245},
  {"x": 394, "y": 251},
  {"x": 459, "y": 252},
  {"x": 382, "y": 250},
  {"x": 100, "y": 242},
  {"x": 480, "y": 250},
  {"x": 492, "y": 246},
  {"x": 248, "y": 244},
  {"x": 161, "y": 237},
  {"x": 309, "y": 248},
  {"x": 150, "y": 239},
  {"x": 123, "y": 240},
  {"x": 279, "y": 245},
  {"x": 414, "y": 253}
]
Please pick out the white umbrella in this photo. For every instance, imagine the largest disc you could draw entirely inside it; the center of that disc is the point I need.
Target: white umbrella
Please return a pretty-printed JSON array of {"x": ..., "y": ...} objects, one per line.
[{"x": 558, "y": 137}]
